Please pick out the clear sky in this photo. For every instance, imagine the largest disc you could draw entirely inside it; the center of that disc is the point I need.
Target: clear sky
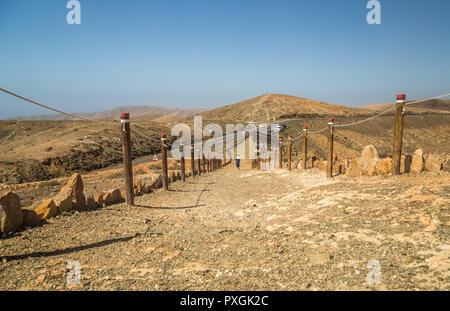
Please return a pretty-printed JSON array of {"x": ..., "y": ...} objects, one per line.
[{"x": 205, "y": 54}]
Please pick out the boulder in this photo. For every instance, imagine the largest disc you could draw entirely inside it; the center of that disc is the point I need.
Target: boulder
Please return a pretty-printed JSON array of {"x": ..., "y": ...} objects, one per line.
[
  {"x": 322, "y": 165},
  {"x": 75, "y": 184},
  {"x": 315, "y": 163},
  {"x": 123, "y": 194},
  {"x": 369, "y": 160},
  {"x": 417, "y": 163},
  {"x": 138, "y": 187},
  {"x": 107, "y": 198},
  {"x": 310, "y": 163},
  {"x": 433, "y": 164},
  {"x": 11, "y": 215},
  {"x": 446, "y": 165},
  {"x": 384, "y": 166},
  {"x": 47, "y": 209},
  {"x": 91, "y": 203},
  {"x": 338, "y": 168},
  {"x": 354, "y": 169},
  {"x": 63, "y": 200},
  {"x": 116, "y": 196},
  {"x": 30, "y": 218},
  {"x": 98, "y": 198},
  {"x": 405, "y": 164},
  {"x": 147, "y": 188}
]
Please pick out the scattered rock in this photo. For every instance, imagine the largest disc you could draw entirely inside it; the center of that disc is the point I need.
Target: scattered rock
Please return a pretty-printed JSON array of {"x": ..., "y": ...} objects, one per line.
[
  {"x": 417, "y": 163},
  {"x": 139, "y": 188},
  {"x": 30, "y": 218},
  {"x": 75, "y": 184},
  {"x": 405, "y": 164},
  {"x": 107, "y": 198},
  {"x": 116, "y": 196},
  {"x": 47, "y": 209},
  {"x": 384, "y": 166},
  {"x": 11, "y": 215},
  {"x": 63, "y": 200},
  {"x": 98, "y": 198},
  {"x": 322, "y": 165},
  {"x": 446, "y": 165},
  {"x": 433, "y": 164},
  {"x": 369, "y": 160},
  {"x": 91, "y": 203},
  {"x": 354, "y": 169}
]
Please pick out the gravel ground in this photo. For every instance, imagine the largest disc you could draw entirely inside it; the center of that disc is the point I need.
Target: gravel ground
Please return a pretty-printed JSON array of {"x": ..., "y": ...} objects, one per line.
[{"x": 248, "y": 230}]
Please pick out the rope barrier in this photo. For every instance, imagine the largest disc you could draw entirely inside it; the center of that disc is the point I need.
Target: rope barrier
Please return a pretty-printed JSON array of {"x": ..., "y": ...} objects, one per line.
[
  {"x": 155, "y": 139},
  {"x": 373, "y": 117}
]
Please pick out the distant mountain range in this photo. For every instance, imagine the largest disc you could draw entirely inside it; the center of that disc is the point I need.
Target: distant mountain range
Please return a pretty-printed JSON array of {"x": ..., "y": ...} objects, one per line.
[{"x": 141, "y": 113}]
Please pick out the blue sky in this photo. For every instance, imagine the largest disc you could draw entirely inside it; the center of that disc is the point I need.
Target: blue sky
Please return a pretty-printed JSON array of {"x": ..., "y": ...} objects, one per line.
[{"x": 205, "y": 54}]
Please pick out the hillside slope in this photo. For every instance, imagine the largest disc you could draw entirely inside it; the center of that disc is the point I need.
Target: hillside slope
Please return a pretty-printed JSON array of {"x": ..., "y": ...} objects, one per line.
[
  {"x": 270, "y": 107},
  {"x": 142, "y": 113}
]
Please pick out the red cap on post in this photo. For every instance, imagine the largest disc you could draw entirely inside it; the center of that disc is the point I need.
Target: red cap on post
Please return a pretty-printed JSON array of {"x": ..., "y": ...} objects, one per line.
[
  {"x": 401, "y": 97},
  {"x": 305, "y": 127},
  {"x": 289, "y": 136},
  {"x": 163, "y": 135},
  {"x": 124, "y": 115},
  {"x": 330, "y": 120}
]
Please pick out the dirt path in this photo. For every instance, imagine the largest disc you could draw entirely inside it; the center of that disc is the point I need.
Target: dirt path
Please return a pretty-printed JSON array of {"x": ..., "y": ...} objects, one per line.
[{"x": 248, "y": 230}]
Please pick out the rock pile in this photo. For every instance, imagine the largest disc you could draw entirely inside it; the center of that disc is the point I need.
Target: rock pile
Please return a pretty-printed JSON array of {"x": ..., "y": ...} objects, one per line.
[{"x": 71, "y": 198}]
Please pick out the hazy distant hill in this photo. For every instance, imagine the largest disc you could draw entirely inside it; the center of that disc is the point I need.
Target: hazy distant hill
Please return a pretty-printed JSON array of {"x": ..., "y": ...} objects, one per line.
[{"x": 147, "y": 113}]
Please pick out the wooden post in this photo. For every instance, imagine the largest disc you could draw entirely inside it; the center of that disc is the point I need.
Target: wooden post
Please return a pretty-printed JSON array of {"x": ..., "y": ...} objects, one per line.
[
  {"x": 280, "y": 155},
  {"x": 398, "y": 134},
  {"x": 204, "y": 164},
  {"x": 183, "y": 164},
  {"x": 330, "y": 148},
  {"x": 127, "y": 161},
  {"x": 199, "y": 164},
  {"x": 164, "y": 162},
  {"x": 305, "y": 145},
  {"x": 192, "y": 160},
  {"x": 289, "y": 151}
]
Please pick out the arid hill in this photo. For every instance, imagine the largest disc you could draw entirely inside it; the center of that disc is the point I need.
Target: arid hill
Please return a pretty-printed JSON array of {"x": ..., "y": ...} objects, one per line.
[
  {"x": 40, "y": 150},
  {"x": 141, "y": 113},
  {"x": 273, "y": 107}
]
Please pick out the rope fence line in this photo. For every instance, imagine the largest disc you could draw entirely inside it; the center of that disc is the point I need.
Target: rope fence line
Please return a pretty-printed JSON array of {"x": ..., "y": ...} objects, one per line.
[
  {"x": 158, "y": 140},
  {"x": 373, "y": 117}
]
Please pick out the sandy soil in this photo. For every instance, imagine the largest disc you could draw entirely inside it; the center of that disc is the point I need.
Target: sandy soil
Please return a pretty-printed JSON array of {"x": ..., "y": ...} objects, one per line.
[{"x": 248, "y": 230}]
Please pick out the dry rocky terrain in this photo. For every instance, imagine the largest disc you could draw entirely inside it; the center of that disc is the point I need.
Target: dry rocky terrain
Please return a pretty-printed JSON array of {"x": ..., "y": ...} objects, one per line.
[{"x": 248, "y": 230}]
